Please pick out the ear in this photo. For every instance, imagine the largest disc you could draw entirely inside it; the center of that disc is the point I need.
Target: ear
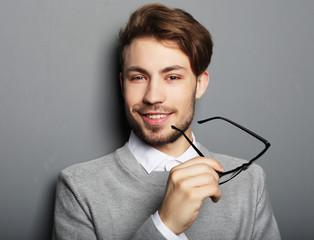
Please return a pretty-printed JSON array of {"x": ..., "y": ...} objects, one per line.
[
  {"x": 201, "y": 84},
  {"x": 122, "y": 83}
]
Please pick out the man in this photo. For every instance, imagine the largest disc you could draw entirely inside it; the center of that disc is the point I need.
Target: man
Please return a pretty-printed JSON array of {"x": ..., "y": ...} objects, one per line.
[{"x": 157, "y": 186}]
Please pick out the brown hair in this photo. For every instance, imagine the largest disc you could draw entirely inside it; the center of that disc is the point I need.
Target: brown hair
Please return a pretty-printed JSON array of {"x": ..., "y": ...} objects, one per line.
[{"x": 170, "y": 24}]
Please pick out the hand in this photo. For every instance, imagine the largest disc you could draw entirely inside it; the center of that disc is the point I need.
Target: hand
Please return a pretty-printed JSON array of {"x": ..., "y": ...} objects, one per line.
[{"x": 188, "y": 185}]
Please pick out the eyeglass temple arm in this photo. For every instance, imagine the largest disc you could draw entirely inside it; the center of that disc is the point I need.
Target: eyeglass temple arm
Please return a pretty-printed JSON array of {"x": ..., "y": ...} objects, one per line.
[
  {"x": 239, "y": 126},
  {"x": 191, "y": 143},
  {"x": 195, "y": 148},
  {"x": 245, "y": 166},
  {"x": 267, "y": 144}
]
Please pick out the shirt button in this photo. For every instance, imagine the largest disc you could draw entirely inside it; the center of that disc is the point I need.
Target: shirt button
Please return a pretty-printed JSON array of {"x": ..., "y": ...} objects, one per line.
[{"x": 171, "y": 164}]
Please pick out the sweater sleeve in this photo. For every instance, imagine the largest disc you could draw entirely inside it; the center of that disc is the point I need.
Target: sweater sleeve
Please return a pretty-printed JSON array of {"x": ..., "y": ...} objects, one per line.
[
  {"x": 265, "y": 222},
  {"x": 70, "y": 219}
]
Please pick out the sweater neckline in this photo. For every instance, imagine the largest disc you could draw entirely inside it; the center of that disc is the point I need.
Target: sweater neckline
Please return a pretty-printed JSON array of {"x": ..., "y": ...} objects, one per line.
[{"x": 129, "y": 163}]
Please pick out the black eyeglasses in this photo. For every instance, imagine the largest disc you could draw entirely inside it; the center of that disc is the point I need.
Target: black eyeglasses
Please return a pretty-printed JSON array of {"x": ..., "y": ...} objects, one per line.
[{"x": 227, "y": 176}]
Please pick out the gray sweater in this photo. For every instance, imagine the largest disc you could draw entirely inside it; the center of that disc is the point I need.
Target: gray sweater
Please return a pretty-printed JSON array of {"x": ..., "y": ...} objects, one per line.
[{"x": 113, "y": 198}]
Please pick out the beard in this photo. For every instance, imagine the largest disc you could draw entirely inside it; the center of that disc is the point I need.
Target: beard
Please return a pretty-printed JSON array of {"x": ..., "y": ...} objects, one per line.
[{"x": 155, "y": 137}]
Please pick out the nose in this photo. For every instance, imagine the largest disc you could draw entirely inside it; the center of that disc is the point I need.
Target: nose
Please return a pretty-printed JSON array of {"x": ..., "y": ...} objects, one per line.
[{"x": 155, "y": 92}]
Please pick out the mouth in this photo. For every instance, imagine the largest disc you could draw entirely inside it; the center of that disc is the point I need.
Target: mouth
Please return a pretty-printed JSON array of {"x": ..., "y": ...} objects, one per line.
[{"x": 155, "y": 118}]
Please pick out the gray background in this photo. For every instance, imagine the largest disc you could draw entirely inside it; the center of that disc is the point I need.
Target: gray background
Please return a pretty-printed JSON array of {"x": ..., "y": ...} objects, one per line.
[{"x": 60, "y": 102}]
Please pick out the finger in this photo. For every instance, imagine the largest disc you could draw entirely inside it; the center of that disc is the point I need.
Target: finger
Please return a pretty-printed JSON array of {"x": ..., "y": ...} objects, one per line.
[
  {"x": 209, "y": 161},
  {"x": 193, "y": 170},
  {"x": 209, "y": 191},
  {"x": 198, "y": 181}
]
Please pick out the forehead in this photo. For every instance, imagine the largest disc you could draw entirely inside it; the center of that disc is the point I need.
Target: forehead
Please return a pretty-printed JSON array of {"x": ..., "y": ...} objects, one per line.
[{"x": 152, "y": 54}]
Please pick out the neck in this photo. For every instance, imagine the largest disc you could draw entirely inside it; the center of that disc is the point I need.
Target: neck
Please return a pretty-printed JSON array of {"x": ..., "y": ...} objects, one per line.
[{"x": 178, "y": 147}]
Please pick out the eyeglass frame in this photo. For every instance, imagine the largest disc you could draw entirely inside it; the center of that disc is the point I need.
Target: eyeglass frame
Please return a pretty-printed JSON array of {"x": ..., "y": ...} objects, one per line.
[{"x": 244, "y": 166}]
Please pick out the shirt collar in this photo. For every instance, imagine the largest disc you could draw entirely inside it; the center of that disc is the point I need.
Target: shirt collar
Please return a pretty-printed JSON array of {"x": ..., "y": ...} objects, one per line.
[{"x": 150, "y": 158}]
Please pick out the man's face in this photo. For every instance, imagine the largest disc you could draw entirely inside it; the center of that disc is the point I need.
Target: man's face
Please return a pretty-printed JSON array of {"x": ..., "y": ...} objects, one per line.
[{"x": 159, "y": 88}]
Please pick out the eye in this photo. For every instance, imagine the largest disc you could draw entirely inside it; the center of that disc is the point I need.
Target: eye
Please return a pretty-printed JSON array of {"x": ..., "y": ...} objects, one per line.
[
  {"x": 173, "y": 77},
  {"x": 137, "y": 77}
]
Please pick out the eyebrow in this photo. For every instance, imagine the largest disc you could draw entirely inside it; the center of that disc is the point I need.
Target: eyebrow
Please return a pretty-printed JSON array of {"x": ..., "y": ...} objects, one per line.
[
  {"x": 164, "y": 70},
  {"x": 172, "y": 68},
  {"x": 137, "y": 69}
]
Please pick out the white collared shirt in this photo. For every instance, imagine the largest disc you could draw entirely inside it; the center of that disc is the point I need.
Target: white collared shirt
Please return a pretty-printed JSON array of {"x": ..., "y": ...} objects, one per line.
[{"x": 152, "y": 159}]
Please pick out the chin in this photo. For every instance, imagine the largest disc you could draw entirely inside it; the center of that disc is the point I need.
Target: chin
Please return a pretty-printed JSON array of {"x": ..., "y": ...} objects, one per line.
[{"x": 155, "y": 137}]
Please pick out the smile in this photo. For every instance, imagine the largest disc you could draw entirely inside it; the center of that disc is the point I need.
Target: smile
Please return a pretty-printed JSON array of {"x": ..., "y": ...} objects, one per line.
[{"x": 156, "y": 116}]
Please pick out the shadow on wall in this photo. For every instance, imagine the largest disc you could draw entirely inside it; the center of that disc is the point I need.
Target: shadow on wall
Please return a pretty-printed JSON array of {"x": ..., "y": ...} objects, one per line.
[
  {"x": 119, "y": 117},
  {"x": 121, "y": 130},
  {"x": 42, "y": 225}
]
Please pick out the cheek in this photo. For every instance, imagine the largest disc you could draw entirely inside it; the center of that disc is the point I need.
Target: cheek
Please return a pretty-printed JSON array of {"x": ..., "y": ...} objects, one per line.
[
  {"x": 132, "y": 96},
  {"x": 182, "y": 95}
]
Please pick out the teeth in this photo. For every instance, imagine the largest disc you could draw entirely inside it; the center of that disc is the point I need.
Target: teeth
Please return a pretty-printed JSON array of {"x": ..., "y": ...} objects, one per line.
[{"x": 156, "y": 116}]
